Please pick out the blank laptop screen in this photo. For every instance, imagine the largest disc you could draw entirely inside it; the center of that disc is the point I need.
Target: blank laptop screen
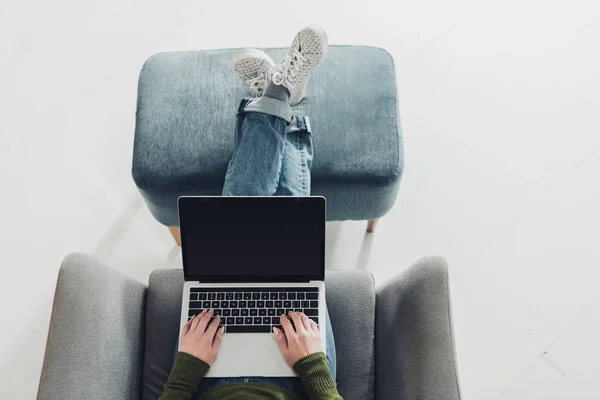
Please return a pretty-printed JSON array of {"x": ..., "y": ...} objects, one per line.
[{"x": 253, "y": 239}]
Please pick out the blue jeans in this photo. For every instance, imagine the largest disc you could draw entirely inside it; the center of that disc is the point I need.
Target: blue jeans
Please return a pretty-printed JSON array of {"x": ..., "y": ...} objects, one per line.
[{"x": 272, "y": 156}]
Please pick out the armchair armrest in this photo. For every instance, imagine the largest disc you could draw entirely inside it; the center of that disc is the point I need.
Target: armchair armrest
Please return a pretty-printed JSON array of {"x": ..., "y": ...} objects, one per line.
[
  {"x": 414, "y": 344},
  {"x": 95, "y": 341}
]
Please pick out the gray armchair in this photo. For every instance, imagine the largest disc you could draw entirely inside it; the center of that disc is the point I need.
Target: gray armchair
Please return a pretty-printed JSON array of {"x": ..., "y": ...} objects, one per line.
[{"x": 113, "y": 338}]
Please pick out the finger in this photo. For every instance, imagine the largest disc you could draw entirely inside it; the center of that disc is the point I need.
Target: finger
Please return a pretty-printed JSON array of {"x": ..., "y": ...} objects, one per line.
[
  {"x": 187, "y": 326},
  {"x": 297, "y": 322},
  {"x": 204, "y": 321},
  {"x": 305, "y": 321},
  {"x": 212, "y": 328},
  {"x": 218, "y": 337},
  {"x": 287, "y": 326},
  {"x": 314, "y": 326},
  {"x": 281, "y": 340},
  {"x": 196, "y": 321}
]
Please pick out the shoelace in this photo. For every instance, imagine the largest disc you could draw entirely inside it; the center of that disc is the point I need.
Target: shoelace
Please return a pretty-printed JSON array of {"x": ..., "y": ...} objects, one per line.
[
  {"x": 259, "y": 83},
  {"x": 288, "y": 70}
]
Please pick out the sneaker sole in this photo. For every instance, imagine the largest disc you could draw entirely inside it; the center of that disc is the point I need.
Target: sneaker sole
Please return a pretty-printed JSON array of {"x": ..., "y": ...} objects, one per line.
[
  {"x": 324, "y": 49},
  {"x": 252, "y": 53}
]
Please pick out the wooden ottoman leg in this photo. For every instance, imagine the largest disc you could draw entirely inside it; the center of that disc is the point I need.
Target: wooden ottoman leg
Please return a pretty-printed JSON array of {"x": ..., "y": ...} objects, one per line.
[
  {"x": 372, "y": 224},
  {"x": 176, "y": 233}
]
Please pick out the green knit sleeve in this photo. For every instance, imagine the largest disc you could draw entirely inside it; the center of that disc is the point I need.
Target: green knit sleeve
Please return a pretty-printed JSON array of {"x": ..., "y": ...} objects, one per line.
[
  {"x": 187, "y": 373},
  {"x": 316, "y": 377}
]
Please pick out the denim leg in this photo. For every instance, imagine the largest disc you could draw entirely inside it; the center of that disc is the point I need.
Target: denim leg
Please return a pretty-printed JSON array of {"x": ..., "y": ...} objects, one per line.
[
  {"x": 297, "y": 159},
  {"x": 255, "y": 166}
]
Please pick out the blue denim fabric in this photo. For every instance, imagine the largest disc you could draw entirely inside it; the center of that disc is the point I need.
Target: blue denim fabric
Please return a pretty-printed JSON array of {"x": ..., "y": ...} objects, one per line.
[{"x": 272, "y": 155}]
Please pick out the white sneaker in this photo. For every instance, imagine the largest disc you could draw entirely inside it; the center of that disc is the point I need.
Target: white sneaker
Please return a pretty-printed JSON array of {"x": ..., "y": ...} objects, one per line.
[
  {"x": 255, "y": 68},
  {"x": 308, "y": 49}
]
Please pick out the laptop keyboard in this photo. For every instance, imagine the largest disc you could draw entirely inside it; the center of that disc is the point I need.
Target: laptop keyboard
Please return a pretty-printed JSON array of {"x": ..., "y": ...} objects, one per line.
[{"x": 254, "y": 310}]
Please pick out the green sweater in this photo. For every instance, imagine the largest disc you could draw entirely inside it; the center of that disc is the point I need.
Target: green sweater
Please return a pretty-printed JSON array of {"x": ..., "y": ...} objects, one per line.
[{"x": 188, "y": 371}]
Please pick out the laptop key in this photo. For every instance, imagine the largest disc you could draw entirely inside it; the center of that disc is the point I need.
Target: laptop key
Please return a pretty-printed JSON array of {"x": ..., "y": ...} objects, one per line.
[
  {"x": 264, "y": 296},
  {"x": 287, "y": 304},
  {"x": 247, "y": 296},
  {"x": 269, "y": 304},
  {"x": 314, "y": 304},
  {"x": 305, "y": 304},
  {"x": 248, "y": 320},
  {"x": 282, "y": 296},
  {"x": 275, "y": 320},
  {"x": 312, "y": 296},
  {"x": 220, "y": 296},
  {"x": 280, "y": 312},
  {"x": 291, "y": 296},
  {"x": 253, "y": 312},
  {"x": 206, "y": 305},
  {"x": 257, "y": 320},
  {"x": 238, "y": 296},
  {"x": 229, "y": 296},
  {"x": 255, "y": 296},
  {"x": 215, "y": 304},
  {"x": 242, "y": 304},
  {"x": 316, "y": 319},
  {"x": 297, "y": 309},
  {"x": 296, "y": 304},
  {"x": 226, "y": 312},
  {"x": 300, "y": 296},
  {"x": 195, "y": 304},
  {"x": 235, "y": 312},
  {"x": 260, "y": 304},
  {"x": 212, "y": 296},
  {"x": 248, "y": 329},
  {"x": 233, "y": 304},
  {"x": 274, "y": 296},
  {"x": 239, "y": 320},
  {"x": 271, "y": 312},
  {"x": 262, "y": 312},
  {"x": 217, "y": 311},
  {"x": 311, "y": 312},
  {"x": 266, "y": 321},
  {"x": 193, "y": 296},
  {"x": 224, "y": 304},
  {"x": 251, "y": 304},
  {"x": 278, "y": 304},
  {"x": 244, "y": 312},
  {"x": 191, "y": 313},
  {"x": 230, "y": 320},
  {"x": 288, "y": 310}
]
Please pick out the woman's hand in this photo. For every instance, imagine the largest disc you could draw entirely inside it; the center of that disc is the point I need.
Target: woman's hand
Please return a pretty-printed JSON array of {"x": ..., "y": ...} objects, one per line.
[
  {"x": 298, "y": 343},
  {"x": 202, "y": 338}
]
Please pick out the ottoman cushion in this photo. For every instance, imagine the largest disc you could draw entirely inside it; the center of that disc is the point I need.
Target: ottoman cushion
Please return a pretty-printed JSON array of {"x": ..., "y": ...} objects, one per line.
[
  {"x": 186, "y": 118},
  {"x": 351, "y": 304}
]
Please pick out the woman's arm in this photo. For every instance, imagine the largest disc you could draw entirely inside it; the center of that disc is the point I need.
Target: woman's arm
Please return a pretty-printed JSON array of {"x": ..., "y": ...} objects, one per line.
[
  {"x": 302, "y": 349},
  {"x": 198, "y": 347}
]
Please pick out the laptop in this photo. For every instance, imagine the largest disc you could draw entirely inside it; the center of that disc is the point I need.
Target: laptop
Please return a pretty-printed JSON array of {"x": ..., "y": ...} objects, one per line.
[{"x": 252, "y": 259}]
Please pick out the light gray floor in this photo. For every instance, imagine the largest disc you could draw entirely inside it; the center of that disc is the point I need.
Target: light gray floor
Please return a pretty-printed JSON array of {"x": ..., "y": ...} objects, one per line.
[{"x": 499, "y": 102}]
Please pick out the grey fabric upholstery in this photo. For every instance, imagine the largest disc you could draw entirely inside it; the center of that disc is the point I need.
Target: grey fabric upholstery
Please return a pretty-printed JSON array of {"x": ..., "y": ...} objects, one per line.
[
  {"x": 95, "y": 343},
  {"x": 402, "y": 350},
  {"x": 351, "y": 301},
  {"x": 414, "y": 342},
  {"x": 352, "y": 315},
  {"x": 185, "y": 129}
]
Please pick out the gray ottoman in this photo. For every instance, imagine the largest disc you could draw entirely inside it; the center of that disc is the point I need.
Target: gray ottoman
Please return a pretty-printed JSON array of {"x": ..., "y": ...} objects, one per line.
[{"x": 185, "y": 121}]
